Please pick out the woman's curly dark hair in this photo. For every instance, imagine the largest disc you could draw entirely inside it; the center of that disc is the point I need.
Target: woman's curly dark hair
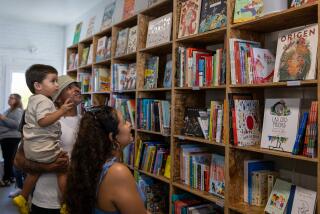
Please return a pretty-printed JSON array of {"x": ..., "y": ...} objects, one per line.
[{"x": 90, "y": 152}]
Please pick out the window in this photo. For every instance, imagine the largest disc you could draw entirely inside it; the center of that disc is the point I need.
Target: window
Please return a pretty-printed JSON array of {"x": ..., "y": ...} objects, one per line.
[{"x": 19, "y": 86}]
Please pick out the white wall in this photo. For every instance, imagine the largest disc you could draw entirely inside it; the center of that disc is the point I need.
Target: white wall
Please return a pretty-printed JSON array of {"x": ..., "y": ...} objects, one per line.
[{"x": 18, "y": 38}]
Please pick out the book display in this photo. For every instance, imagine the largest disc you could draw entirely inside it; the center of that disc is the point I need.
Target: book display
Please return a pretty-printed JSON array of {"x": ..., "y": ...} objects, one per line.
[{"x": 222, "y": 97}]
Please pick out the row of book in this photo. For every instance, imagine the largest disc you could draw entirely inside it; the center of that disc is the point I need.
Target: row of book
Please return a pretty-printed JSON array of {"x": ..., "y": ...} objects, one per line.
[
  {"x": 200, "y": 67},
  {"x": 153, "y": 157},
  {"x": 263, "y": 187},
  {"x": 295, "y": 58},
  {"x": 126, "y": 41},
  {"x": 283, "y": 128},
  {"x": 127, "y": 154},
  {"x": 127, "y": 108},
  {"x": 202, "y": 169},
  {"x": 97, "y": 81},
  {"x": 154, "y": 115},
  {"x": 124, "y": 76},
  {"x": 151, "y": 73},
  {"x": 205, "y": 123}
]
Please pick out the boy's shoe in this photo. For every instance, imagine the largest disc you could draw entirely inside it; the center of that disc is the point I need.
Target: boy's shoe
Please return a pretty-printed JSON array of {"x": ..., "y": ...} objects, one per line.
[
  {"x": 21, "y": 203},
  {"x": 63, "y": 209},
  {"x": 14, "y": 193}
]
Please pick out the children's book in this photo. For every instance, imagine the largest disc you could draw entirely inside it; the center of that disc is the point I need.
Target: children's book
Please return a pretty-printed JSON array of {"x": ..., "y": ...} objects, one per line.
[
  {"x": 297, "y": 3},
  {"x": 297, "y": 55},
  {"x": 132, "y": 40},
  {"x": 168, "y": 72},
  {"x": 189, "y": 18},
  {"x": 280, "y": 123},
  {"x": 90, "y": 29},
  {"x": 263, "y": 65},
  {"x": 159, "y": 30},
  {"x": 279, "y": 197},
  {"x": 304, "y": 201},
  {"x": 213, "y": 15},
  {"x": 90, "y": 55},
  {"x": 108, "y": 48},
  {"x": 151, "y": 72},
  {"x": 217, "y": 179},
  {"x": 128, "y": 8},
  {"x": 107, "y": 15},
  {"x": 101, "y": 48},
  {"x": 77, "y": 33},
  {"x": 122, "y": 42},
  {"x": 84, "y": 56},
  {"x": 246, "y": 10},
  {"x": 130, "y": 77}
]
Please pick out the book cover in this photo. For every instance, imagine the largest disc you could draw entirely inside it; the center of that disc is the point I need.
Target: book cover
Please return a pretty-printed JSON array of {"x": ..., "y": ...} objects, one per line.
[
  {"x": 101, "y": 49},
  {"x": 108, "y": 48},
  {"x": 151, "y": 72},
  {"x": 132, "y": 40},
  {"x": 90, "y": 55},
  {"x": 297, "y": 55},
  {"x": 107, "y": 16},
  {"x": 246, "y": 10},
  {"x": 189, "y": 18},
  {"x": 213, "y": 15},
  {"x": 263, "y": 65},
  {"x": 247, "y": 122},
  {"x": 297, "y": 3},
  {"x": 90, "y": 29},
  {"x": 191, "y": 124},
  {"x": 122, "y": 42},
  {"x": 217, "y": 180},
  {"x": 304, "y": 201},
  {"x": 77, "y": 33},
  {"x": 159, "y": 30},
  {"x": 167, "y": 79},
  {"x": 84, "y": 56},
  {"x": 280, "y": 124},
  {"x": 128, "y": 9},
  {"x": 279, "y": 197},
  {"x": 130, "y": 77}
]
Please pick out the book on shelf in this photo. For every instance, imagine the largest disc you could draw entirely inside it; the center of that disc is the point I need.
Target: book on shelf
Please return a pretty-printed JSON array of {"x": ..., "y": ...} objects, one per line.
[
  {"x": 102, "y": 80},
  {"x": 72, "y": 62},
  {"x": 151, "y": 72},
  {"x": 189, "y": 18},
  {"x": 304, "y": 201},
  {"x": 192, "y": 126},
  {"x": 159, "y": 30},
  {"x": 154, "y": 115},
  {"x": 77, "y": 33},
  {"x": 132, "y": 40},
  {"x": 309, "y": 147},
  {"x": 200, "y": 67},
  {"x": 245, "y": 10},
  {"x": 124, "y": 76},
  {"x": 298, "y": 3},
  {"x": 297, "y": 54},
  {"x": 122, "y": 42},
  {"x": 167, "y": 79},
  {"x": 217, "y": 178},
  {"x": 127, "y": 154},
  {"x": 107, "y": 18},
  {"x": 213, "y": 15},
  {"x": 273, "y": 6},
  {"x": 128, "y": 9},
  {"x": 85, "y": 80},
  {"x": 127, "y": 107},
  {"x": 90, "y": 55},
  {"x": 167, "y": 169},
  {"x": 102, "y": 46},
  {"x": 108, "y": 48},
  {"x": 90, "y": 29},
  {"x": 280, "y": 123},
  {"x": 84, "y": 56}
]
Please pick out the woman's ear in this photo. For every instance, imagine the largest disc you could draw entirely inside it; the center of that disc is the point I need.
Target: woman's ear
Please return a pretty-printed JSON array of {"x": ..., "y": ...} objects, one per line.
[{"x": 110, "y": 137}]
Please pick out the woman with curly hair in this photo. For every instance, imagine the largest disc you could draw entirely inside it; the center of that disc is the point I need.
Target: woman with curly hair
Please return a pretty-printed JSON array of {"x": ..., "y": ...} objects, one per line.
[{"x": 97, "y": 183}]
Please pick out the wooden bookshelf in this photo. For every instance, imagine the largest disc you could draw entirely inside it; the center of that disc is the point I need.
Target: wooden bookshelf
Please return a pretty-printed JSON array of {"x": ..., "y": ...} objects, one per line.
[{"x": 180, "y": 97}]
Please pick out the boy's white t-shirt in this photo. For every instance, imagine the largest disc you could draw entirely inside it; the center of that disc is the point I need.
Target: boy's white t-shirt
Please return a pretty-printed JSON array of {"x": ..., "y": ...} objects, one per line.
[{"x": 46, "y": 193}]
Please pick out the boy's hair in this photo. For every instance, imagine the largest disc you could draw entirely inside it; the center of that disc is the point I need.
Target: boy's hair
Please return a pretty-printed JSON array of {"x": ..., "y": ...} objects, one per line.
[{"x": 37, "y": 73}]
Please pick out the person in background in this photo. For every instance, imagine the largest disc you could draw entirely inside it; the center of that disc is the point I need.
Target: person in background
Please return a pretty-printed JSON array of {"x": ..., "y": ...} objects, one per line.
[
  {"x": 96, "y": 182},
  {"x": 10, "y": 136},
  {"x": 45, "y": 198}
]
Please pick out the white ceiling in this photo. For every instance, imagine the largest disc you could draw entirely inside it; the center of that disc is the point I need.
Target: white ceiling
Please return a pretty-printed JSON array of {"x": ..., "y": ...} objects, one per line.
[{"x": 60, "y": 12}]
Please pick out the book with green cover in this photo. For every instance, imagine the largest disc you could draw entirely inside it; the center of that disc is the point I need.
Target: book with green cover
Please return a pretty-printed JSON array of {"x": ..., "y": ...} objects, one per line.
[
  {"x": 77, "y": 33},
  {"x": 245, "y": 10}
]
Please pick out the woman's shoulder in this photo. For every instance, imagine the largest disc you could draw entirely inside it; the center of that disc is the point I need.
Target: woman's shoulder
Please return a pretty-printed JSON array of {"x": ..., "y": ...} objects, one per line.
[{"x": 119, "y": 172}]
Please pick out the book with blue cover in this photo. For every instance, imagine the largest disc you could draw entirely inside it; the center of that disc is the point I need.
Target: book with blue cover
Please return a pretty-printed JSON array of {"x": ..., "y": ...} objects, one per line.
[{"x": 213, "y": 15}]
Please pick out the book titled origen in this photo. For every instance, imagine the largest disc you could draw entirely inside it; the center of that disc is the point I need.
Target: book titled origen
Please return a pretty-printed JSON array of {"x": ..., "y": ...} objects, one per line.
[
  {"x": 297, "y": 55},
  {"x": 280, "y": 124}
]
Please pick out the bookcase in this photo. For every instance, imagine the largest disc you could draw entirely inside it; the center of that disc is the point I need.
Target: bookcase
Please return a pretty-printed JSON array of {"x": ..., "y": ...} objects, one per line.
[{"x": 180, "y": 97}]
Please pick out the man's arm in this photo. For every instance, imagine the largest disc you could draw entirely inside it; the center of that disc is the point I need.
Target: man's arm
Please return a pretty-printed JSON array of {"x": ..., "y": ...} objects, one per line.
[{"x": 20, "y": 161}]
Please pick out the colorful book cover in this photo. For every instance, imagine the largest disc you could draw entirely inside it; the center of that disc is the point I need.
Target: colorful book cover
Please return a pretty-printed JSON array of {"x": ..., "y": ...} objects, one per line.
[
  {"x": 247, "y": 122},
  {"x": 101, "y": 45},
  {"x": 132, "y": 40},
  {"x": 84, "y": 56},
  {"x": 107, "y": 15},
  {"x": 279, "y": 197},
  {"x": 246, "y": 10},
  {"x": 130, "y": 77},
  {"x": 90, "y": 29},
  {"x": 263, "y": 65},
  {"x": 90, "y": 55},
  {"x": 102, "y": 79},
  {"x": 297, "y": 3},
  {"x": 122, "y": 42},
  {"x": 304, "y": 201},
  {"x": 189, "y": 18},
  {"x": 108, "y": 48},
  {"x": 217, "y": 179},
  {"x": 151, "y": 72},
  {"x": 77, "y": 33},
  {"x": 159, "y": 30},
  {"x": 280, "y": 124},
  {"x": 128, "y": 9},
  {"x": 167, "y": 79},
  {"x": 297, "y": 55},
  {"x": 213, "y": 15}
]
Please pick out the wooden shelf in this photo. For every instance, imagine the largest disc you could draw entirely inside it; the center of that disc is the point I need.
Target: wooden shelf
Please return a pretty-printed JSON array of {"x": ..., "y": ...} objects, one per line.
[
  {"x": 302, "y": 83},
  {"x": 101, "y": 92},
  {"x": 219, "y": 201},
  {"x": 195, "y": 88},
  {"x": 72, "y": 70},
  {"x": 106, "y": 31},
  {"x": 85, "y": 66},
  {"x": 158, "y": 177},
  {"x": 214, "y": 36},
  {"x": 103, "y": 62},
  {"x": 199, "y": 140},
  {"x": 124, "y": 91},
  {"x": 159, "y": 49},
  {"x": 87, "y": 40},
  {"x": 129, "y": 22},
  {"x": 74, "y": 46},
  {"x": 245, "y": 208},
  {"x": 154, "y": 90},
  {"x": 130, "y": 56},
  {"x": 256, "y": 148},
  {"x": 152, "y": 132},
  {"x": 293, "y": 17},
  {"x": 157, "y": 8}
]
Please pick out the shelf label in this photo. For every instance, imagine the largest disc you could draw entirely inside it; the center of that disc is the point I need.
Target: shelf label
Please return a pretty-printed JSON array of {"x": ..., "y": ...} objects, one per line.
[
  {"x": 195, "y": 88},
  {"x": 181, "y": 138},
  {"x": 294, "y": 83}
]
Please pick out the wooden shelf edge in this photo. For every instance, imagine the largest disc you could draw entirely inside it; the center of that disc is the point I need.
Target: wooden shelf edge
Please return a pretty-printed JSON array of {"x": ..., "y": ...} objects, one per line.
[
  {"x": 103, "y": 32},
  {"x": 126, "y": 21},
  {"x": 288, "y": 84},
  {"x": 200, "y": 35},
  {"x": 154, "y": 89},
  {"x": 195, "y": 88},
  {"x": 124, "y": 91},
  {"x": 148, "y": 49},
  {"x": 85, "y": 66},
  {"x": 155, "y": 6},
  {"x": 158, "y": 177},
  {"x": 87, "y": 40},
  {"x": 152, "y": 132},
  {"x": 199, "y": 140},
  {"x": 244, "y": 208},
  {"x": 106, "y": 61},
  {"x": 202, "y": 194},
  {"x": 74, "y": 46},
  {"x": 126, "y": 56}
]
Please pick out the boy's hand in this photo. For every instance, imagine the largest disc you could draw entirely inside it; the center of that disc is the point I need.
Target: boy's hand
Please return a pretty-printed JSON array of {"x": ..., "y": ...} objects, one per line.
[{"x": 68, "y": 105}]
